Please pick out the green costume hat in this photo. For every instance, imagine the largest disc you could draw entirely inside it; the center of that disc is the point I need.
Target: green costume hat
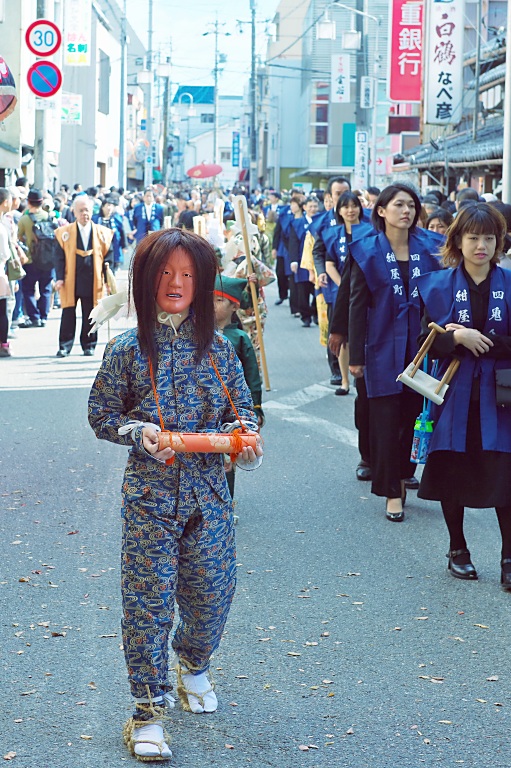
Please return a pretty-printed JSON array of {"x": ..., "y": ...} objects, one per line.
[{"x": 230, "y": 288}]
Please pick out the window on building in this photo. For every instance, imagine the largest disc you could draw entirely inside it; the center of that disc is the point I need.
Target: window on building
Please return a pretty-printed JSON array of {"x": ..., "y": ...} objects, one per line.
[
  {"x": 225, "y": 155},
  {"x": 319, "y": 112},
  {"x": 104, "y": 83},
  {"x": 207, "y": 117}
]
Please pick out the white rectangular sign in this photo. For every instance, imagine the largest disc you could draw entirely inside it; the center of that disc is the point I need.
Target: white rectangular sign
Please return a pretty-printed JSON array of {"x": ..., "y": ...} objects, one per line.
[
  {"x": 443, "y": 86},
  {"x": 71, "y": 108},
  {"x": 340, "y": 92},
  {"x": 77, "y": 32},
  {"x": 361, "y": 171},
  {"x": 367, "y": 92}
]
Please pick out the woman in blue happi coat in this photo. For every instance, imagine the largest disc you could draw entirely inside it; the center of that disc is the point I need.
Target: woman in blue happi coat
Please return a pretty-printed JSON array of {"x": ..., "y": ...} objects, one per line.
[
  {"x": 114, "y": 221},
  {"x": 172, "y": 372},
  {"x": 303, "y": 286},
  {"x": 352, "y": 226},
  {"x": 384, "y": 324},
  {"x": 469, "y": 462}
]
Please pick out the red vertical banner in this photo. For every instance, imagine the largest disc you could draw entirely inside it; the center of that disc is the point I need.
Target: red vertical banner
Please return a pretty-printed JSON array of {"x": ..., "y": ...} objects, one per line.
[{"x": 406, "y": 37}]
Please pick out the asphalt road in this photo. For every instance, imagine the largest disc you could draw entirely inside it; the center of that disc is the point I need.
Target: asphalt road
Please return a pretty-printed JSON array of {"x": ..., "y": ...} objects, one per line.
[{"x": 348, "y": 643}]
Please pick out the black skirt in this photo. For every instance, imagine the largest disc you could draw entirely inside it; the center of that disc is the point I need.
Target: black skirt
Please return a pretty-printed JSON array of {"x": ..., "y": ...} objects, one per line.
[{"x": 478, "y": 479}]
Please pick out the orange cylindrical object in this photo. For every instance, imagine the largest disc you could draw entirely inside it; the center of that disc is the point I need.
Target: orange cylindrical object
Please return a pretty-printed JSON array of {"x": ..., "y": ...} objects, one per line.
[{"x": 206, "y": 442}]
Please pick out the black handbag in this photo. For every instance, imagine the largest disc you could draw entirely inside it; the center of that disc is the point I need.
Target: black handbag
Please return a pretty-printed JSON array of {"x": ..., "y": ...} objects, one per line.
[{"x": 503, "y": 387}]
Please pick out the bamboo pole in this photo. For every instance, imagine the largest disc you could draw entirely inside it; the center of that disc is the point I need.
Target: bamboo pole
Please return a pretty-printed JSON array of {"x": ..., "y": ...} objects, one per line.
[{"x": 241, "y": 210}]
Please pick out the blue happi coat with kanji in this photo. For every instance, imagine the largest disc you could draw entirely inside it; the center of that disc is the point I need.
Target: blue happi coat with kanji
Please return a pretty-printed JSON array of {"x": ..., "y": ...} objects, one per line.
[
  {"x": 393, "y": 314},
  {"x": 446, "y": 297}
]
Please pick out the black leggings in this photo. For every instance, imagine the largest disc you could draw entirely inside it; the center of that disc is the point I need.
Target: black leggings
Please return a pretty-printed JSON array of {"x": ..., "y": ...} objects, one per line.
[
  {"x": 454, "y": 515},
  {"x": 4, "y": 321}
]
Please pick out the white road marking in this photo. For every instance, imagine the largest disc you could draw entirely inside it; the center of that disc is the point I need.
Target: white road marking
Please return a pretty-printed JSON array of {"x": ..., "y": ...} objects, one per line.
[{"x": 286, "y": 409}]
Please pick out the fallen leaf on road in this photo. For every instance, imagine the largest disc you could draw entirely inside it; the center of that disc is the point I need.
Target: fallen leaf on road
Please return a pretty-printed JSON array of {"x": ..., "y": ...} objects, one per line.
[
  {"x": 303, "y": 748},
  {"x": 58, "y": 634},
  {"x": 72, "y": 533},
  {"x": 481, "y": 626},
  {"x": 482, "y": 701},
  {"x": 229, "y": 746},
  {"x": 493, "y": 679},
  {"x": 92, "y": 686},
  {"x": 445, "y": 722},
  {"x": 293, "y": 653},
  {"x": 24, "y": 579},
  {"x": 10, "y": 756},
  {"x": 112, "y": 635},
  {"x": 350, "y": 731},
  {"x": 28, "y": 693},
  {"x": 85, "y": 737}
]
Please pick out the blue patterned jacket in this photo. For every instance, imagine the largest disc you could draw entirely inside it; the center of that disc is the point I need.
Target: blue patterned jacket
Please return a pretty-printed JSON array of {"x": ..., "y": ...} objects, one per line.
[{"x": 191, "y": 399}]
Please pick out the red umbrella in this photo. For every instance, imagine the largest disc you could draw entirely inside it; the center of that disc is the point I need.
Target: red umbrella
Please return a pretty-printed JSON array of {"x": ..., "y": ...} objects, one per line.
[
  {"x": 204, "y": 171},
  {"x": 7, "y": 91}
]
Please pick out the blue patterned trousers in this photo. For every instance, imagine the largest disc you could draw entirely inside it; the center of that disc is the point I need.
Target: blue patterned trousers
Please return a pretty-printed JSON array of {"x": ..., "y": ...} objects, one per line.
[{"x": 189, "y": 559}]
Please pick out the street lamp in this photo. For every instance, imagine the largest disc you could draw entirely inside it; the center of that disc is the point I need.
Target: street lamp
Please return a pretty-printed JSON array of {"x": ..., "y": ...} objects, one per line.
[
  {"x": 376, "y": 69},
  {"x": 192, "y": 112}
]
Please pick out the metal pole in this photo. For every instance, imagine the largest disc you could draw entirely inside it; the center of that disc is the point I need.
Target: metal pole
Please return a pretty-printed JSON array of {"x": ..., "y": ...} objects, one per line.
[
  {"x": 165, "y": 160},
  {"x": 40, "y": 175},
  {"x": 148, "y": 170},
  {"x": 253, "y": 102},
  {"x": 478, "y": 68},
  {"x": 215, "y": 98},
  {"x": 122, "y": 130},
  {"x": 374, "y": 128},
  {"x": 506, "y": 162}
]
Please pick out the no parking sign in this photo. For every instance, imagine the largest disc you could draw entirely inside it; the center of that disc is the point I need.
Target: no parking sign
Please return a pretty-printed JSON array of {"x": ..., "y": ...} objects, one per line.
[{"x": 44, "y": 79}]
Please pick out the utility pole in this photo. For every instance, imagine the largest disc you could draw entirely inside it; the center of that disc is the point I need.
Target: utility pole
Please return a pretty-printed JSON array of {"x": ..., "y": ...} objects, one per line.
[
  {"x": 506, "y": 162},
  {"x": 148, "y": 170},
  {"x": 40, "y": 174},
  {"x": 253, "y": 102},
  {"x": 215, "y": 97},
  {"x": 122, "y": 131},
  {"x": 166, "y": 138},
  {"x": 478, "y": 68}
]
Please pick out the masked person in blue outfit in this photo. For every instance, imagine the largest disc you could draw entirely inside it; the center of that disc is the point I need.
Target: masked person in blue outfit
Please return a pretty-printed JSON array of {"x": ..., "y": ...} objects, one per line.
[
  {"x": 147, "y": 216},
  {"x": 174, "y": 372},
  {"x": 469, "y": 461},
  {"x": 384, "y": 323}
]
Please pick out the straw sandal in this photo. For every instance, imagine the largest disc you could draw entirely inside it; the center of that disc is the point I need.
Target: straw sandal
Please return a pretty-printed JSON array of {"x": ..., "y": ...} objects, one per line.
[{"x": 196, "y": 692}]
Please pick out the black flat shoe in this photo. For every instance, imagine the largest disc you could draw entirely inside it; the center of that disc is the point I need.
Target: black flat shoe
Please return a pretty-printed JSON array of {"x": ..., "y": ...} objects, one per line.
[
  {"x": 394, "y": 517},
  {"x": 505, "y": 573},
  {"x": 363, "y": 471},
  {"x": 341, "y": 391},
  {"x": 412, "y": 483},
  {"x": 88, "y": 352},
  {"x": 461, "y": 570},
  {"x": 279, "y": 301},
  {"x": 62, "y": 353}
]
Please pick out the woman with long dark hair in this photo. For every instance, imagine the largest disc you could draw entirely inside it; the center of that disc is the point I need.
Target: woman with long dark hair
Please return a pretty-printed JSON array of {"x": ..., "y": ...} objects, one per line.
[
  {"x": 469, "y": 462},
  {"x": 172, "y": 372},
  {"x": 384, "y": 325}
]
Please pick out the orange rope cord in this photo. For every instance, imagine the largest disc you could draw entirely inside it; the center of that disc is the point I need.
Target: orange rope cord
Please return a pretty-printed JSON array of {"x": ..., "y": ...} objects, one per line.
[
  {"x": 243, "y": 427},
  {"x": 151, "y": 373},
  {"x": 235, "y": 436}
]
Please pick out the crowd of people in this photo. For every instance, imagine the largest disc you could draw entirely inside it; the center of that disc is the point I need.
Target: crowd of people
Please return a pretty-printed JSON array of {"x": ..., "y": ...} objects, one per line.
[{"x": 373, "y": 270}]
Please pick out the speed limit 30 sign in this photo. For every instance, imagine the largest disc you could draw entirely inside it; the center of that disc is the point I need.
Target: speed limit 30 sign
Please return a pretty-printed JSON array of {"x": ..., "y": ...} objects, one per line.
[{"x": 43, "y": 37}]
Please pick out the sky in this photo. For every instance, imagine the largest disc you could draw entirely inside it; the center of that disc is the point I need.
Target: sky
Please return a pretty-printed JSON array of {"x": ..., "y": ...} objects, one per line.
[{"x": 180, "y": 24}]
